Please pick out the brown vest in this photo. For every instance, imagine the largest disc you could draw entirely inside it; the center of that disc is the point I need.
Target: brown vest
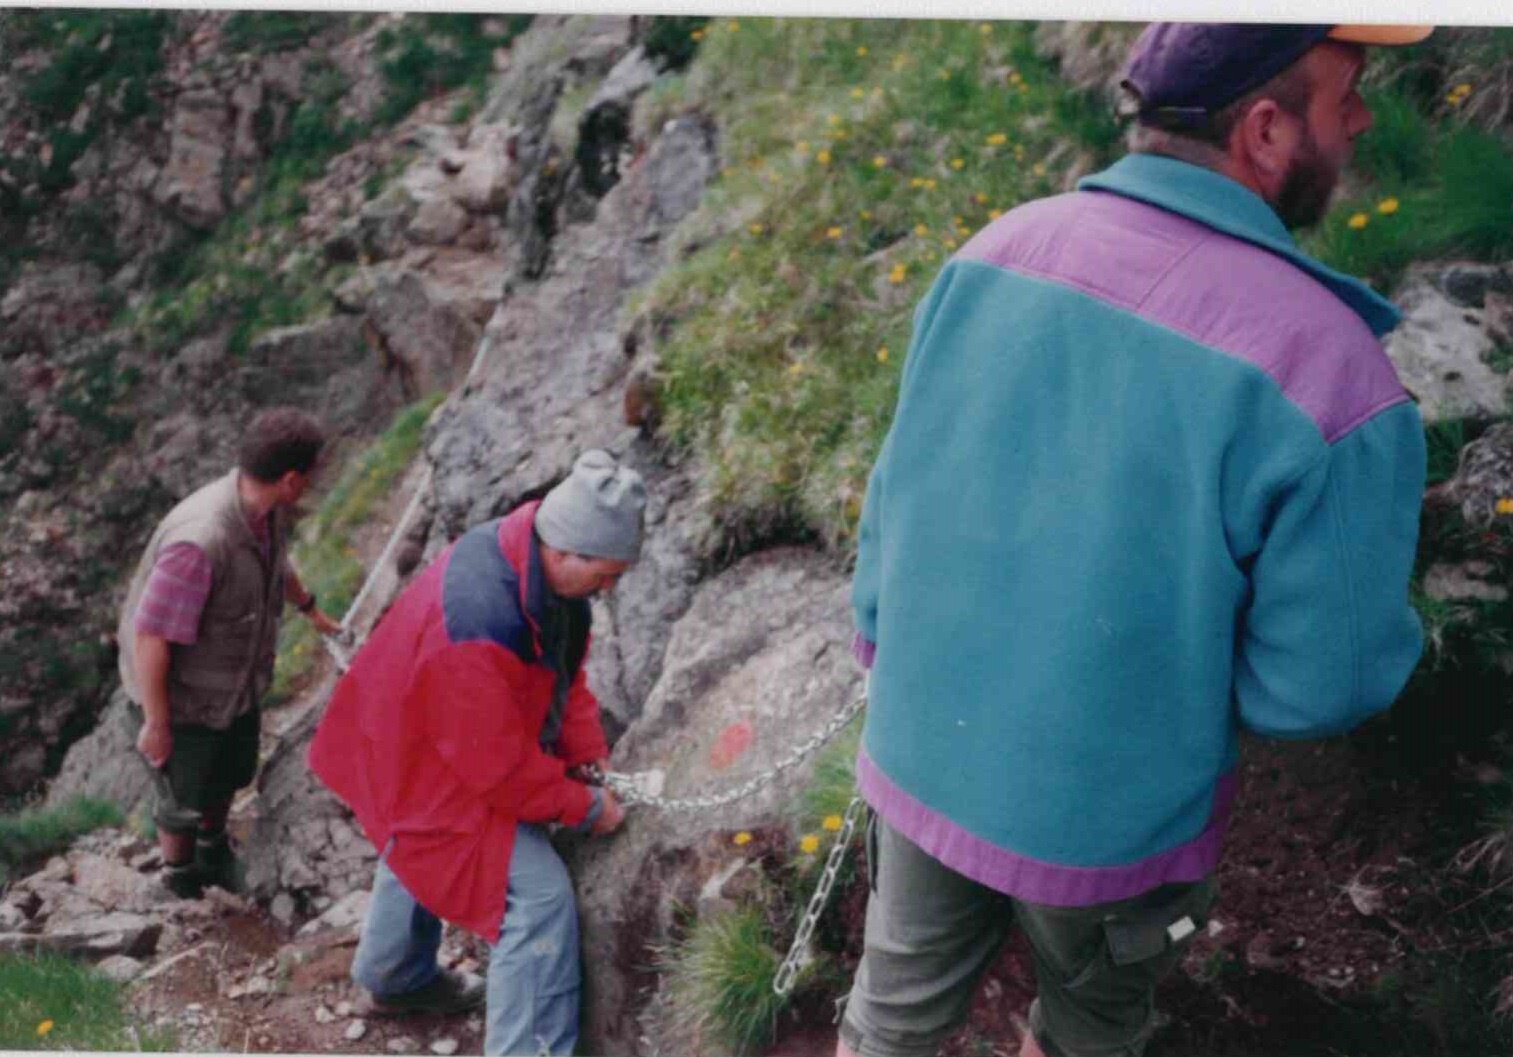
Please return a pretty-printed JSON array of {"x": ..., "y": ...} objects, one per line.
[{"x": 229, "y": 666}]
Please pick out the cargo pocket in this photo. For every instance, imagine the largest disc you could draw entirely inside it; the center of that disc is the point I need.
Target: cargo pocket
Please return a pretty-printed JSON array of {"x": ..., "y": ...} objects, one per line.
[{"x": 1143, "y": 941}]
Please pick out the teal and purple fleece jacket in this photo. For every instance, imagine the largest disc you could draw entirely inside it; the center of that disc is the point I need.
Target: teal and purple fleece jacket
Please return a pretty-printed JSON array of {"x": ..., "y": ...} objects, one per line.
[{"x": 1151, "y": 480}]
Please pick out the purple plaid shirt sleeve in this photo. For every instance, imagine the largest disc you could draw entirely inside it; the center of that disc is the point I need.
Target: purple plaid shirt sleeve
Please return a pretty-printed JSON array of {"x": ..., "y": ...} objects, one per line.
[{"x": 175, "y": 594}]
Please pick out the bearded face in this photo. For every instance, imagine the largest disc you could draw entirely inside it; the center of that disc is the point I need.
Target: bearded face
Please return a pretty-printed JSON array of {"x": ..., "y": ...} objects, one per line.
[{"x": 1308, "y": 185}]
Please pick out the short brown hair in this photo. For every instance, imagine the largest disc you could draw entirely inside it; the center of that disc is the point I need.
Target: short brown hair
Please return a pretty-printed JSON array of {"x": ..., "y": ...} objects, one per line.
[
  {"x": 280, "y": 439},
  {"x": 1291, "y": 90}
]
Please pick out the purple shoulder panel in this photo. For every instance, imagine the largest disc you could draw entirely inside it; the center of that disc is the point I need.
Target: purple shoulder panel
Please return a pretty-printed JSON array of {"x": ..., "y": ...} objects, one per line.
[{"x": 1220, "y": 291}]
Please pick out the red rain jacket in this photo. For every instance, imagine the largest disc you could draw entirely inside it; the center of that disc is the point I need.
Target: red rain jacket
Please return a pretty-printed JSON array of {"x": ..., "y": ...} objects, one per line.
[{"x": 432, "y": 736}]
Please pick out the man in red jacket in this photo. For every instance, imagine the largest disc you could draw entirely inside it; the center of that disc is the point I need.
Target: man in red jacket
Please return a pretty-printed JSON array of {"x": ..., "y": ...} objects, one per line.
[{"x": 457, "y": 737}]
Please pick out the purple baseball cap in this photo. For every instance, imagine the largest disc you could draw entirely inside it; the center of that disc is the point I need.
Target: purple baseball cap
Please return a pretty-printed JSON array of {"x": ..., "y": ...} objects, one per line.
[{"x": 1183, "y": 72}]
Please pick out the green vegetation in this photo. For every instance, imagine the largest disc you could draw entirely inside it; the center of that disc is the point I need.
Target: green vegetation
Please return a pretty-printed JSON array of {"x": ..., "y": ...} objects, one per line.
[
  {"x": 719, "y": 981},
  {"x": 270, "y": 31},
  {"x": 834, "y": 781},
  {"x": 1436, "y": 188},
  {"x": 672, "y": 40},
  {"x": 325, "y": 557},
  {"x": 860, "y": 155},
  {"x": 36, "y": 832},
  {"x": 100, "y": 75},
  {"x": 429, "y": 54},
  {"x": 48, "y": 1002}
]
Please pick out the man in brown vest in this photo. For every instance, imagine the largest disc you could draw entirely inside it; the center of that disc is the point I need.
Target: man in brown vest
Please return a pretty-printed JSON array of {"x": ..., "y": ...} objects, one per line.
[{"x": 197, "y": 639}]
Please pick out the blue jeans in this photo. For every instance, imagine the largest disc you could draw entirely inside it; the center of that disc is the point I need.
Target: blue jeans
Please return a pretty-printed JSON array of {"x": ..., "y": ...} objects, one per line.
[{"x": 533, "y": 976}]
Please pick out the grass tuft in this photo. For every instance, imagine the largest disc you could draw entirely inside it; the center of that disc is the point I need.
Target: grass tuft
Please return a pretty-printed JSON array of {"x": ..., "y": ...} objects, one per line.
[
  {"x": 719, "y": 982},
  {"x": 36, "y": 832},
  {"x": 48, "y": 1002}
]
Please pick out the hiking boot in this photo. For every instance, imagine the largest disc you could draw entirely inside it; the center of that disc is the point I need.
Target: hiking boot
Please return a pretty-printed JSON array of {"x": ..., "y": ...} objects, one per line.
[
  {"x": 448, "y": 993},
  {"x": 218, "y": 865},
  {"x": 183, "y": 880}
]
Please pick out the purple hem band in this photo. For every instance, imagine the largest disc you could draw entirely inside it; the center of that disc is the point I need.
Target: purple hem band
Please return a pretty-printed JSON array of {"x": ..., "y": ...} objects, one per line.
[
  {"x": 865, "y": 652},
  {"x": 1031, "y": 879}
]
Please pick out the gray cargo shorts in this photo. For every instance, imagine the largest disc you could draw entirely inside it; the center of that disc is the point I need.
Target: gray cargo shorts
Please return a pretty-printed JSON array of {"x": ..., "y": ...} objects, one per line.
[{"x": 931, "y": 934}]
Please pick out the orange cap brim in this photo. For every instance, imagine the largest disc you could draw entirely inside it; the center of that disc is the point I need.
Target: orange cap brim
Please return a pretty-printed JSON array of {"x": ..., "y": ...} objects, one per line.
[{"x": 1381, "y": 36}]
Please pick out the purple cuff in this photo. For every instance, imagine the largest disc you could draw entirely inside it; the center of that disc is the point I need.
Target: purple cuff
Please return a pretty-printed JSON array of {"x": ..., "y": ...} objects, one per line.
[
  {"x": 1033, "y": 880},
  {"x": 864, "y": 651}
]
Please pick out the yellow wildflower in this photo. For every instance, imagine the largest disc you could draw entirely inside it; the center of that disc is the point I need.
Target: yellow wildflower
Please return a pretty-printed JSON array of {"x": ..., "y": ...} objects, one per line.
[
  {"x": 921, "y": 230},
  {"x": 1019, "y": 152},
  {"x": 1023, "y": 88},
  {"x": 1462, "y": 89},
  {"x": 1358, "y": 221},
  {"x": 832, "y": 232},
  {"x": 756, "y": 229},
  {"x": 840, "y": 134},
  {"x": 945, "y": 75},
  {"x": 985, "y": 28},
  {"x": 998, "y": 139},
  {"x": 879, "y": 161},
  {"x": 994, "y": 214},
  {"x": 796, "y": 369},
  {"x": 823, "y": 157},
  {"x": 1505, "y": 505},
  {"x": 1387, "y": 206},
  {"x": 735, "y": 27},
  {"x": 741, "y": 838},
  {"x": 981, "y": 198},
  {"x": 898, "y": 273},
  {"x": 857, "y": 93},
  {"x": 882, "y": 357},
  {"x": 861, "y": 52},
  {"x": 809, "y": 844},
  {"x": 930, "y": 185},
  {"x": 43, "y": 1028},
  {"x": 918, "y": 181},
  {"x": 866, "y": 214},
  {"x": 834, "y": 119},
  {"x": 803, "y": 146},
  {"x": 832, "y": 823},
  {"x": 697, "y": 34},
  {"x": 957, "y": 163},
  {"x": 950, "y": 244}
]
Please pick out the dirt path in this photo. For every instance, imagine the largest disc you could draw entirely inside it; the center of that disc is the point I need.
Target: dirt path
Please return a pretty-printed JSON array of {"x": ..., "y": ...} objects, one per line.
[{"x": 1340, "y": 927}]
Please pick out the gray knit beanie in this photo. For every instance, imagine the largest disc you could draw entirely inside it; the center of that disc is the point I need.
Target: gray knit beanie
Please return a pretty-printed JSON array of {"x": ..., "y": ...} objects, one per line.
[{"x": 596, "y": 511}]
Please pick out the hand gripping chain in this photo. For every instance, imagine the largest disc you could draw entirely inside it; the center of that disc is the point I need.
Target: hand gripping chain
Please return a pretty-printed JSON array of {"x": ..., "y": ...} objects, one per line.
[{"x": 629, "y": 791}]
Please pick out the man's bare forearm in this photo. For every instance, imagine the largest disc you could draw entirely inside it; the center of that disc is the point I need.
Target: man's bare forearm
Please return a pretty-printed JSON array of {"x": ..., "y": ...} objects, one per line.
[{"x": 152, "y": 657}]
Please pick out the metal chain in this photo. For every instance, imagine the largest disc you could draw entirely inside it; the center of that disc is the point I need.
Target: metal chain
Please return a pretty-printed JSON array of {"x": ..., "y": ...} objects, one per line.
[
  {"x": 788, "y": 972},
  {"x": 628, "y": 790}
]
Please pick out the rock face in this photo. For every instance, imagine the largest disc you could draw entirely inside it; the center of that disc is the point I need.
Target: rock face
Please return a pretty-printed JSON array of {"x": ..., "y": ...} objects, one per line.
[
  {"x": 1446, "y": 349},
  {"x": 550, "y": 383},
  {"x": 762, "y": 650},
  {"x": 99, "y": 436}
]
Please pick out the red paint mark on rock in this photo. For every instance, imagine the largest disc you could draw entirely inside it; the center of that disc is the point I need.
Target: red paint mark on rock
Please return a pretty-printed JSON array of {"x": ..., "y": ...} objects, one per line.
[{"x": 733, "y": 741}]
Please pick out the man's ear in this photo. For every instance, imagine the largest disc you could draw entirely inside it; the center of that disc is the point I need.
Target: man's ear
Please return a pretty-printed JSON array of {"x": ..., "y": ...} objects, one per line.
[{"x": 1264, "y": 142}]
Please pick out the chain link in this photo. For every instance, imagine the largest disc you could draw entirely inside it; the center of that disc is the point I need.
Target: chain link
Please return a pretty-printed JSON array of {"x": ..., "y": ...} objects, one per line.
[
  {"x": 629, "y": 791},
  {"x": 797, "y": 957}
]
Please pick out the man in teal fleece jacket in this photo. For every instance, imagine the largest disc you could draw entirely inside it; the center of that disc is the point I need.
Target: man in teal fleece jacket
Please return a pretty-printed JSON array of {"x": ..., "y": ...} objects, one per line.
[{"x": 1151, "y": 481}]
